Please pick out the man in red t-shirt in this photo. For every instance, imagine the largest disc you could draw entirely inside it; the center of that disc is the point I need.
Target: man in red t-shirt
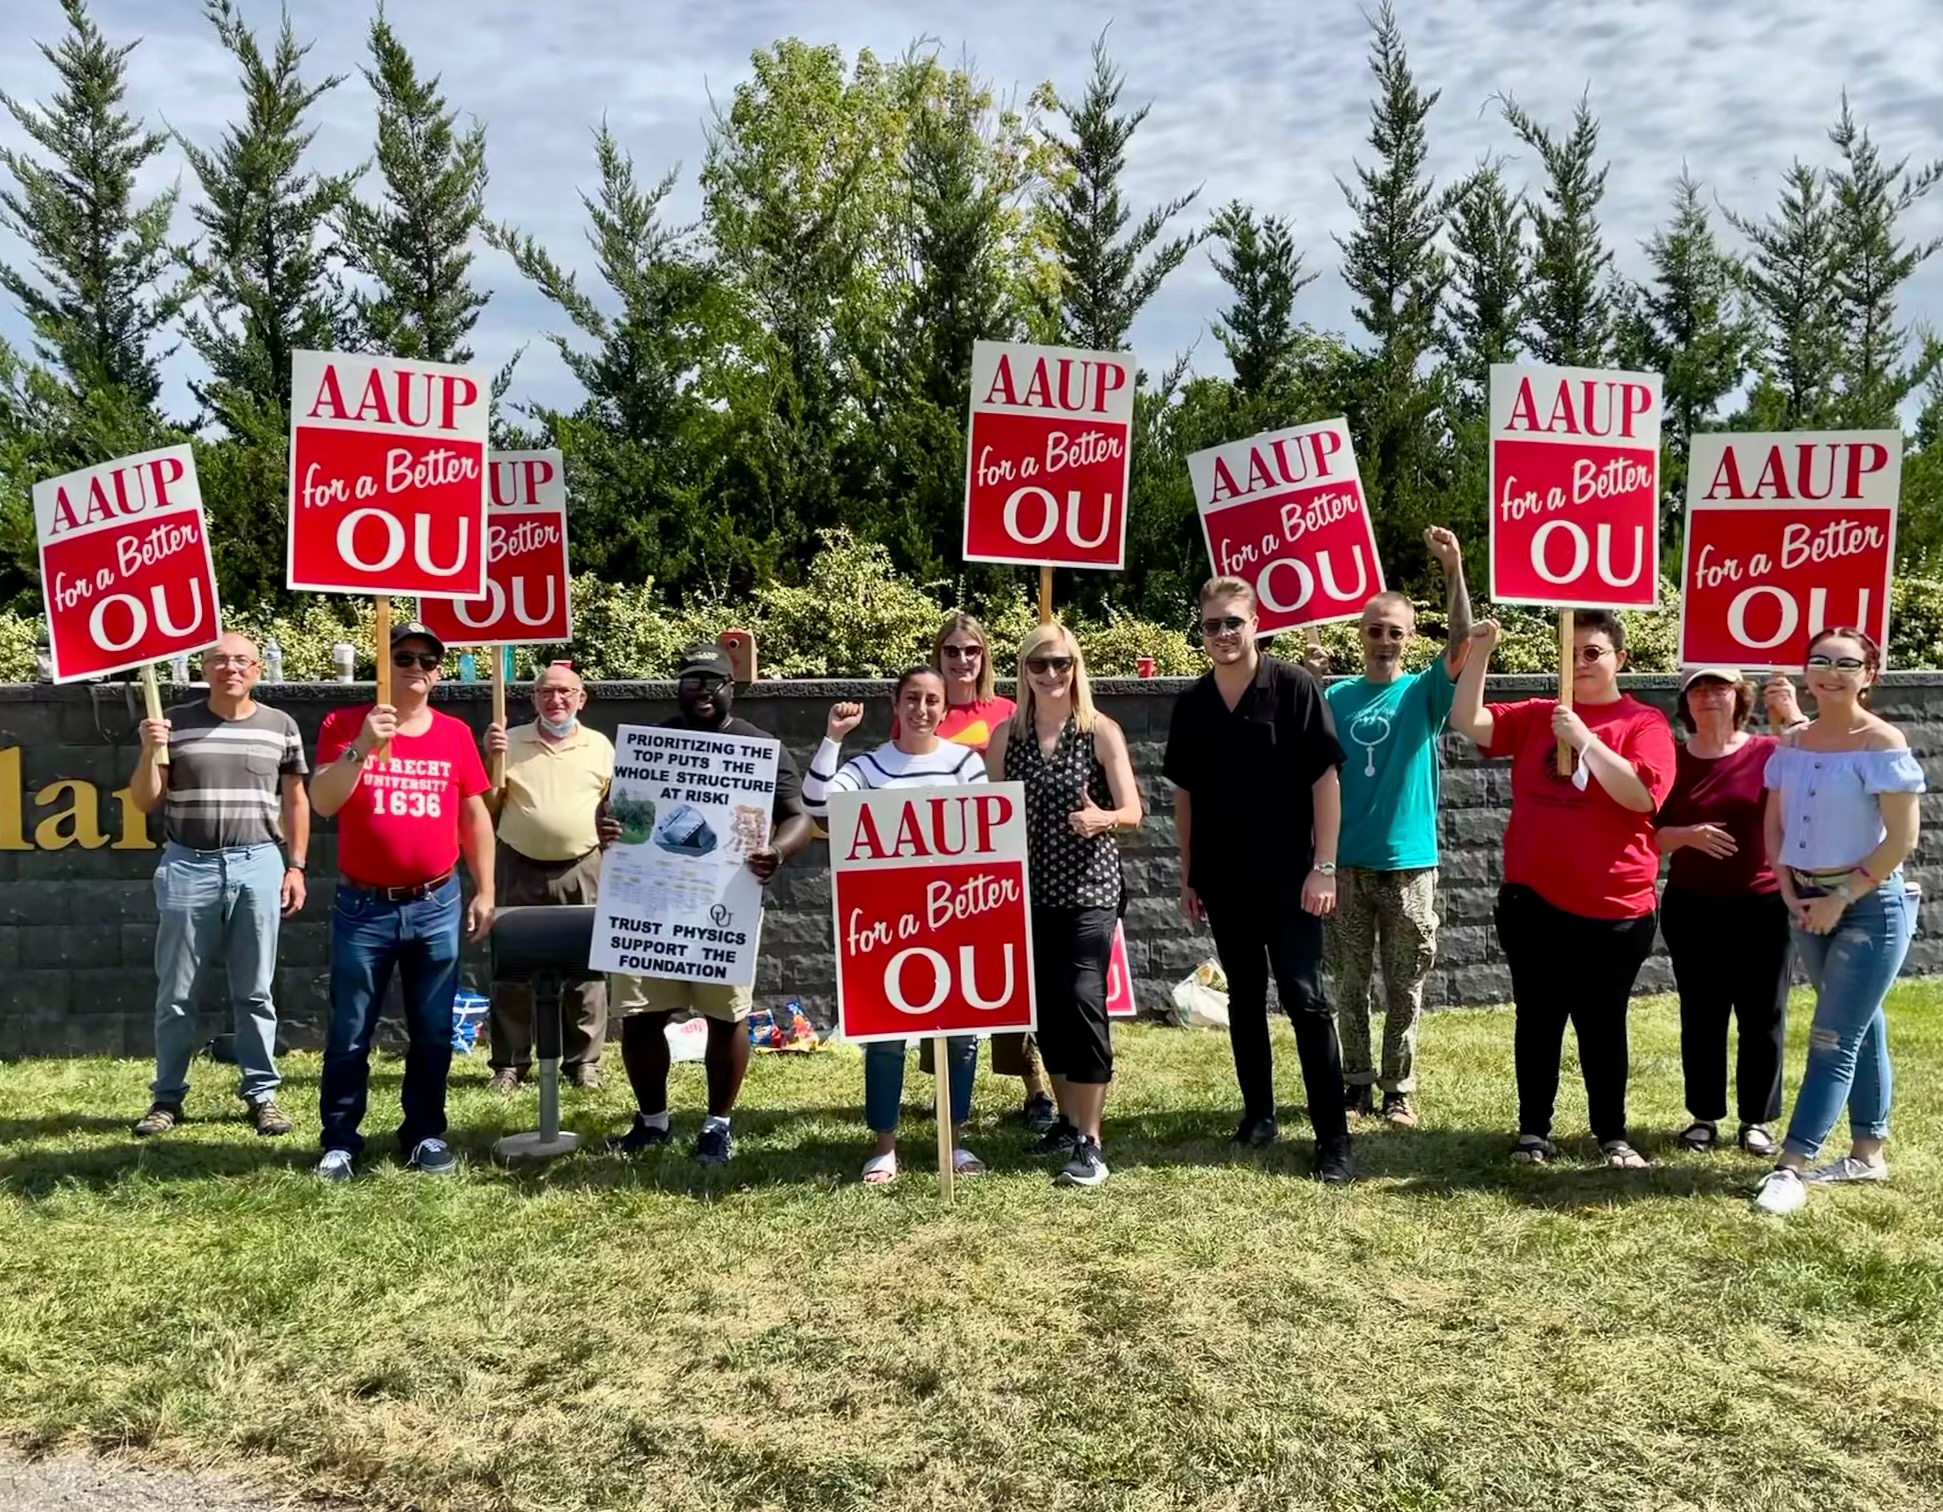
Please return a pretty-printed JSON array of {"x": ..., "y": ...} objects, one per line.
[{"x": 402, "y": 821}]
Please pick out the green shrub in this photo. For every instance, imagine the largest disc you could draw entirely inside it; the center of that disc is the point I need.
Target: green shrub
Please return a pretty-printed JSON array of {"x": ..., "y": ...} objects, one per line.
[{"x": 856, "y": 616}]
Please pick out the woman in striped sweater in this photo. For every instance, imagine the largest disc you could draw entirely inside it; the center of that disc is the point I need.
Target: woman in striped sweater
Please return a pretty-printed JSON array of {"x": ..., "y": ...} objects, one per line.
[{"x": 915, "y": 758}]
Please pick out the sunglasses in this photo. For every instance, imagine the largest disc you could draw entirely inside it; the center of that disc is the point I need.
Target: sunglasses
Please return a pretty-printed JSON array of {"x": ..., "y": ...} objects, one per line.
[
  {"x": 1229, "y": 626},
  {"x": 1385, "y": 632},
  {"x": 425, "y": 661},
  {"x": 1048, "y": 664},
  {"x": 1590, "y": 655},
  {"x": 1837, "y": 663},
  {"x": 962, "y": 653},
  {"x": 702, "y": 682}
]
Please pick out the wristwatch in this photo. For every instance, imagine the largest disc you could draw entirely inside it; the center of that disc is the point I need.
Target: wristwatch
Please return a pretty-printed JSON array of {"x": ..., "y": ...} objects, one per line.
[
  {"x": 293, "y": 864},
  {"x": 1326, "y": 868}
]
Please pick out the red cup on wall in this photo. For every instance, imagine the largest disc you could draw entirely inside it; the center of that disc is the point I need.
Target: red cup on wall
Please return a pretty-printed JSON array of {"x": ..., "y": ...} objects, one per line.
[{"x": 1145, "y": 666}]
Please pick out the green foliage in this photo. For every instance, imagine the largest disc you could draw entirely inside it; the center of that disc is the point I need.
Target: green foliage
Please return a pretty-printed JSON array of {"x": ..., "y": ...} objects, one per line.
[
  {"x": 1568, "y": 315},
  {"x": 856, "y": 615}
]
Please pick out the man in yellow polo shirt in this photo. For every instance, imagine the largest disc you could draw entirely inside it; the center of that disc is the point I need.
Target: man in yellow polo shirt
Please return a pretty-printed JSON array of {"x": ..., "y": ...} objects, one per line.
[{"x": 558, "y": 772}]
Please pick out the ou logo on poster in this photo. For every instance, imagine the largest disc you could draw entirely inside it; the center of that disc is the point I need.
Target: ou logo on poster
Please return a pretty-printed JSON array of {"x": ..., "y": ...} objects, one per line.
[
  {"x": 933, "y": 921},
  {"x": 527, "y": 581}
]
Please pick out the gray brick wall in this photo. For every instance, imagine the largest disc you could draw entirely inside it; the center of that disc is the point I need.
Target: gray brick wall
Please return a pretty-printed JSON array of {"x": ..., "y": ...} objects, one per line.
[{"x": 77, "y": 922}]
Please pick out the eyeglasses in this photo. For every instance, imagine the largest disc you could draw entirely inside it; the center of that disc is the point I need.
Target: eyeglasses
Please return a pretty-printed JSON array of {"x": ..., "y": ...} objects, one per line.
[
  {"x": 1589, "y": 655},
  {"x": 244, "y": 662},
  {"x": 1232, "y": 625},
  {"x": 1385, "y": 632},
  {"x": 425, "y": 661},
  {"x": 1836, "y": 663},
  {"x": 1044, "y": 664},
  {"x": 962, "y": 653}
]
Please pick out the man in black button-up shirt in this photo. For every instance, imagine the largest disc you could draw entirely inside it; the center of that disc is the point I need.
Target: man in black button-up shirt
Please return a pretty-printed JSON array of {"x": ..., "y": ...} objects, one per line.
[{"x": 1252, "y": 754}]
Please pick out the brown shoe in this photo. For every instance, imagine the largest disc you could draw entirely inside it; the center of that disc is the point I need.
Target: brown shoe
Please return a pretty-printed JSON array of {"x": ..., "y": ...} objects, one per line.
[
  {"x": 587, "y": 1078},
  {"x": 160, "y": 1118},
  {"x": 268, "y": 1119},
  {"x": 1397, "y": 1110},
  {"x": 505, "y": 1082}
]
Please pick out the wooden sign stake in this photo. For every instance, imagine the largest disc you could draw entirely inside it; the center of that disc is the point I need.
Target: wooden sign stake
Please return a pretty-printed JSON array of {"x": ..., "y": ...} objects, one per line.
[
  {"x": 152, "y": 699},
  {"x": 1564, "y": 684},
  {"x": 942, "y": 1067},
  {"x": 1045, "y": 595},
  {"x": 381, "y": 632},
  {"x": 496, "y": 771}
]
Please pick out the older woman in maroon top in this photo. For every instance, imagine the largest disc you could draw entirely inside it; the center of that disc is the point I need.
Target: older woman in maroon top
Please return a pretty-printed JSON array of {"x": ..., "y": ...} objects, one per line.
[{"x": 1722, "y": 916}]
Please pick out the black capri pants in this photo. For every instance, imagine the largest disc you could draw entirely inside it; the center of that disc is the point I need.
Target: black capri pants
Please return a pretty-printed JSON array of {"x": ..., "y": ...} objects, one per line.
[{"x": 1071, "y": 950}]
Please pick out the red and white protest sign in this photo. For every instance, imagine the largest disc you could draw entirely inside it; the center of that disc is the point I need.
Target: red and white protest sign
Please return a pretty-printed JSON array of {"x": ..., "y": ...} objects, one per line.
[
  {"x": 1786, "y": 534},
  {"x": 933, "y": 924},
  {"x": 1050, "y": 456},
  {"x": 387, "y": 476},
  {"x": 125, "y": 569},
  {"x": 526, "y": 599},
  {"x": 1119, "y": 978},
  {"x": 1285, "y": 512},
  {"x": 1575, "y": 487}
]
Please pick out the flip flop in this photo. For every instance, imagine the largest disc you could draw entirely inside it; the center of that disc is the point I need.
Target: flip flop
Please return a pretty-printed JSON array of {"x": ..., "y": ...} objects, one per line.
[
  {"x": 880, "y": 1170},
  {"x": 1532, "y": 1149},
  {"x": 964, "y": 1163},
  {"x": 1622, "y": 1156}
]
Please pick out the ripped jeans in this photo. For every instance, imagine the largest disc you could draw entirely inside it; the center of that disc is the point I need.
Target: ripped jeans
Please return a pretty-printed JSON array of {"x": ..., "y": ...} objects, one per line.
[{"x": 1852, "y": 969}]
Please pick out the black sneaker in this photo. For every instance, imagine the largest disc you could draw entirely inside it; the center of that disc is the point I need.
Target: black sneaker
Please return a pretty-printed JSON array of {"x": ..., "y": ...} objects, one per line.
[
  {"x": 1256, "y": 1133},
  {"x": 714, "y": 1145},
  {"x": 1334, "y": 1163},
  {"x": 642, "y": 1135},
  {"x": 1086, "y": 1168},
  {"x": 1040, "y": 1113},
  {"x": 1059, "y": 1139},
  {"x": 1357, "y": 1101}
]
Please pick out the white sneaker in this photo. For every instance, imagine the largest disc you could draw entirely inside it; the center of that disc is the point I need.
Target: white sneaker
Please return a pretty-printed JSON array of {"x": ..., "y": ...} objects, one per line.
[
  {"x": 335, "y": 1166},
  {"x": 1781, "y": 1192},
  {"x": 1848, "y": 1168}
]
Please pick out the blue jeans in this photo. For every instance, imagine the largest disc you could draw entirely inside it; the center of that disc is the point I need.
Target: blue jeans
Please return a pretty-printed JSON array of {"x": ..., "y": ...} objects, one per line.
[
  {"x": 884, "y": 1080},
  {"x": 370, "y": 936},
  {"x": 206, "y": 902},
  {"x": 1852, "y": 970}
]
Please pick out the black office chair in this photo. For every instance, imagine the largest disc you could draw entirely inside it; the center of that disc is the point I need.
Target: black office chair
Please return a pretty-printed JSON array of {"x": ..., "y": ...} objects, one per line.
[{"x": 547, "y": 947}]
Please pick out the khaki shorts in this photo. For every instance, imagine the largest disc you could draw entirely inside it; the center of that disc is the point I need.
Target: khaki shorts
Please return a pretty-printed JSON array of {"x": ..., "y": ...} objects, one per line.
[{"x": 634, "y": 994}]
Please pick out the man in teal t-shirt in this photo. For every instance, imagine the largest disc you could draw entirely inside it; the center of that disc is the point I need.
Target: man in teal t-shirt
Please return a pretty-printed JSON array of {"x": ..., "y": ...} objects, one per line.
[{"x": 1388, "y": 721}]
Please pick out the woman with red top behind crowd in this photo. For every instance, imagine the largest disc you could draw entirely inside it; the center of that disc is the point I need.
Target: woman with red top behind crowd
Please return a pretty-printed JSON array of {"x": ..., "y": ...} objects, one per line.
[
  {"x": 1725, "y": 925},
  {"x": 1575, "y": 913}
]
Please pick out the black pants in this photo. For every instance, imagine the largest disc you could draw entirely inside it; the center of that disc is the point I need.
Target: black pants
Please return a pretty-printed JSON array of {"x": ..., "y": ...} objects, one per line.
[
  {"x": 1732, "y": 958},
  {"x": 1565, "y": 966},
  {"x": 1262, "y": 931},
  {"x": 1071, "y": 951}
]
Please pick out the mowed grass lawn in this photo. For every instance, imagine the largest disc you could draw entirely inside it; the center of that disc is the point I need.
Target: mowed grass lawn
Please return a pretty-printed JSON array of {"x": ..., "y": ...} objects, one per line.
[{"x": 1209, "y": 1330}]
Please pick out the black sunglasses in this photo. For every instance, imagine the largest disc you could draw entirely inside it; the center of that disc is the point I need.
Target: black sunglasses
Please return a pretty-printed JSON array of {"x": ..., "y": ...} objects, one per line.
[
  {"x": 707, "y": 682},
  {"x": 1226, "y": 626},
  {"x": 425, "y": 661},
  {"x": 962, "y": 653},
  {"x": 1048, "y": 663}
]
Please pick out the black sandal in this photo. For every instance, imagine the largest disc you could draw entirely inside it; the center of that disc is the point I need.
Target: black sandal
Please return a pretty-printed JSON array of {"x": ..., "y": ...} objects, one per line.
[
  {"x": 1534, "y": 1149},
  {"x": 1758, "y": 1139},
  {"x": 1621, "y": 1156},
  {"x": 1701, "y": 1136}
]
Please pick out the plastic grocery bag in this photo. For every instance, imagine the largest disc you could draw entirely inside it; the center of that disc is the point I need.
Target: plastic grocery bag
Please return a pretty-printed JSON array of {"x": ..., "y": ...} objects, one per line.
[
  {"x": 688, "y": 1040},
  {"x": 1201, "y": 1000}
]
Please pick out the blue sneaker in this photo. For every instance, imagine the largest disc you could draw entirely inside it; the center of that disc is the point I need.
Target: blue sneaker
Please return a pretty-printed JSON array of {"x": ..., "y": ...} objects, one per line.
[
  {"x": 433, "y": 1157},
  {"x": 335, "y": 1166}
]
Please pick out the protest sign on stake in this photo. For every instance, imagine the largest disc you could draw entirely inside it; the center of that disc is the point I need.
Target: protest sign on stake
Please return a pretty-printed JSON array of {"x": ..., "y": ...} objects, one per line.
[
  {"x": 1285, "y": 512},
  {"x": 933, "y": 919},
  {"x": 125, "y": 568},
  {"x": 1575, "y": 494},
  {"x": 1048, "y": 458},
  {"x": 1119, "y": 978},
  {"x": 677, "y": 898},
  {"x": 1787, "y": 533}
]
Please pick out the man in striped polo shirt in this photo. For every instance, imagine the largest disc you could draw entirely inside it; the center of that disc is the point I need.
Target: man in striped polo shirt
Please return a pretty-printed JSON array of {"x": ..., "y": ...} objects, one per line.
[{"x": 232, "y": 795}]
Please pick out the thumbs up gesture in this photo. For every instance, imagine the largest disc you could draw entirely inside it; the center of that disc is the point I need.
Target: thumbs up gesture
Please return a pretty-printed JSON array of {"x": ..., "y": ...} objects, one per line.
[{"x": 1089, "y": 819}]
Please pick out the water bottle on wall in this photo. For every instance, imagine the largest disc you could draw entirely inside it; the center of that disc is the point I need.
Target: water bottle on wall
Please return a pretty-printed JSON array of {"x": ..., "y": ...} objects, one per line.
[
  {"x": 344, "y": 658},
  {"x": 179, "y": 668},
  {"x": 272, "y": 661}
]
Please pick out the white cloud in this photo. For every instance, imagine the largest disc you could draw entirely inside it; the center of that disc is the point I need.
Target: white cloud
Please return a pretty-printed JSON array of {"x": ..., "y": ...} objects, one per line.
[{"x": 1263, "y": 101}]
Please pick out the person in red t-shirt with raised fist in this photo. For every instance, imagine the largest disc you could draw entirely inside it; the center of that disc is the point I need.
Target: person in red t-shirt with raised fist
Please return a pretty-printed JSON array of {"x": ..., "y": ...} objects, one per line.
[
  {"x": 402, "y": 822},
  {"x": 1575, "y": 913}
]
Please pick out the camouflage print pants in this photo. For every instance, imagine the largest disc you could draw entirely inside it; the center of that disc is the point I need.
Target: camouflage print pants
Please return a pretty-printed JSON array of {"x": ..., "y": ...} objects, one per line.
[{"x": 1386, "y": 919}]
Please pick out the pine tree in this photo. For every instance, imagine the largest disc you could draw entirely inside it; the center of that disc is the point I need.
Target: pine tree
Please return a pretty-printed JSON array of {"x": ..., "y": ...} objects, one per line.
[
  {"x": 1104, "y": 282},
  {"x": 1568, "y": 316},
  {"x": 415, "y": 243},
  {"x": 1490, "y": 271},
  {"x": 262, "y": 279},
  {"x": 1792, "y": 279},
  {"x": 96, "y": 296},
  {"x": 1869, "y": 197},
  {"x": 1263, "y": 270}
]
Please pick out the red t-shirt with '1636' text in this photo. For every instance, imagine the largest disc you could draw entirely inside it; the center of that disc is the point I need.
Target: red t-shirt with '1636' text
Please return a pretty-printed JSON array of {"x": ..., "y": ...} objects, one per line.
[
  {"x": 1577, "y": 847},
  {"x": 400, "y": 825}
]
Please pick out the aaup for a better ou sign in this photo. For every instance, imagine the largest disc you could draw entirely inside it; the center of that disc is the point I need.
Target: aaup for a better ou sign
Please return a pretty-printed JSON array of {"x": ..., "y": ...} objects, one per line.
[
  {"x": 526, "y": 600},
  {"x": 1575, "y": 487},
  {"x": 933, "y": 922},
  {"x": 1285, "y": 512},
  {"x": 387, "y": 476},
  {"x": 125, "y": 569},
  {"x": 1787, "y": 534},
  {"x": 1049, "y": 457}
]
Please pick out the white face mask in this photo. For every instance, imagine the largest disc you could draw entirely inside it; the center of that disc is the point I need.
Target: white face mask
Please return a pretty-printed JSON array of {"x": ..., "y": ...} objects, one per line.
[{"x": 559, "y": 731}]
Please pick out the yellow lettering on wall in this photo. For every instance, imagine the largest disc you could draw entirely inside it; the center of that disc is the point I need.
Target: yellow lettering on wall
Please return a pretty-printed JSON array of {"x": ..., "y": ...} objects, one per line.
[
  {"x": 80, "y": 820},
  {"x": 12, "y": 821},
  {"x": 134, "y": 825}
]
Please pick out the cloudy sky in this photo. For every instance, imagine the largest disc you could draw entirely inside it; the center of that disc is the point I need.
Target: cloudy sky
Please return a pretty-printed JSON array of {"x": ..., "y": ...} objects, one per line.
[{"x": 1262, "y": 101}]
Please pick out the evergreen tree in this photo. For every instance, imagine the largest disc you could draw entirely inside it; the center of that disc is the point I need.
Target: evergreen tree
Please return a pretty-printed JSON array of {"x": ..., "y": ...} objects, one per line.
[
  {"x": 96, "y": 295},
  {"x": 415, "y": 243},
  {"x": 262, "y": 279},
  {"x": 1568, "y": 315},
  {"x": 1263, "y": 271},
  {"x": 1490, "y": 271},
  {"x": 1792, "y": 279},
  {"x": 1108, "y": 271}
]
